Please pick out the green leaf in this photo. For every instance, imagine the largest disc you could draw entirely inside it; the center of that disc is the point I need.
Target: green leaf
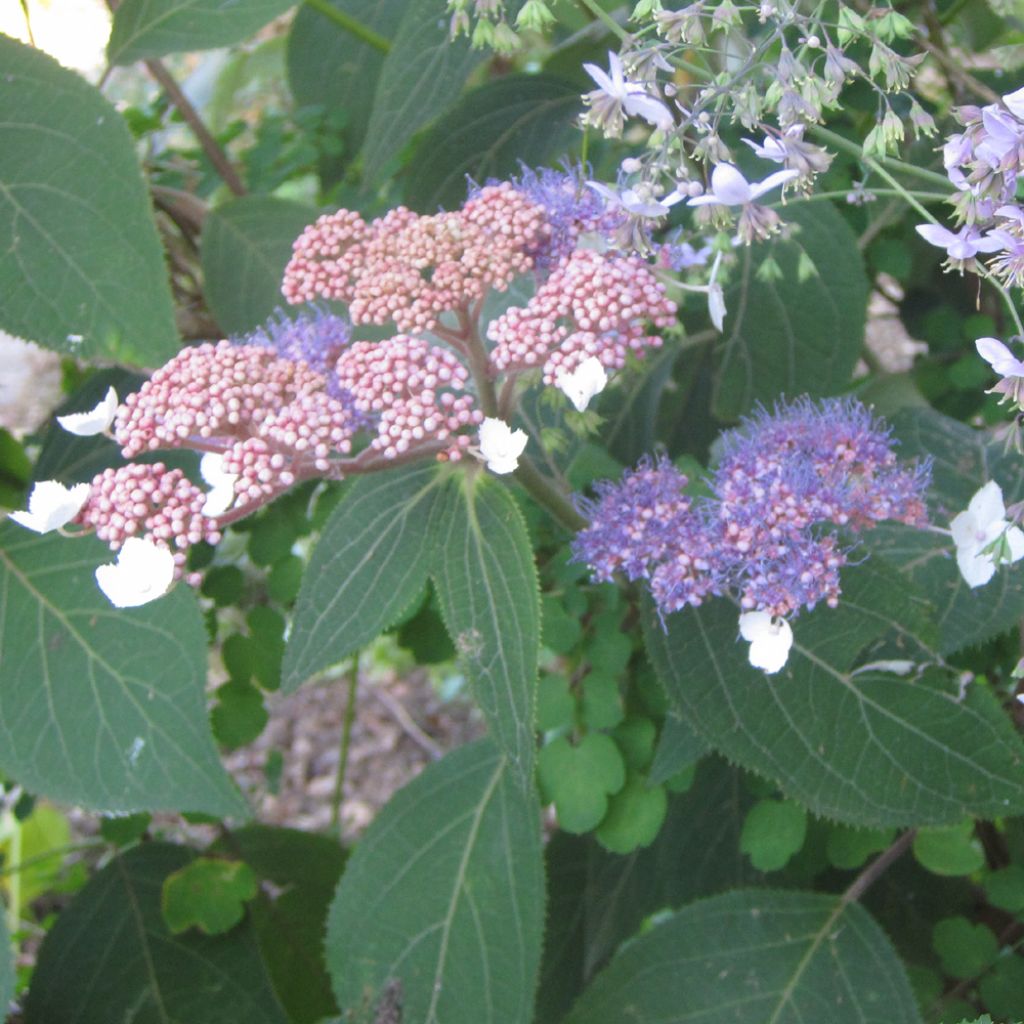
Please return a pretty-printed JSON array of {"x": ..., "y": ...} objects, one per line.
[
  {"x": 965, "y": 949},
  {"x": 445, "y": 893},
  {"x": 678, "y": 748},
  {"x": 773, "y": 831},
  {"x": 954, "y": 850},
  {"x": 529, "y": 119},
  {"x": 635, "y": 816},
  {"x": 556, "y": 707},
  {"x": 791, "y": 336},
  {"x": 101, "y": 707},
  {"x": 602, "y": 702},
  {"x": 580, "y": 778},
  {"x": 599, "y": 899},
  {"x": 374, "y": 543},
  {"x": 239, "y": 716},
  {"x": 1005, "y": 888},
  {"x": 1002, "y": 986},
  {"x": 110, "y": 957},
  {"x": 848, "y": 848},
  {"x": 81, "y": 266},
  {"x": 964, "y": 459},
  {"x": 486, "y": 583},
  {"x": 303, "y": 869},
  {"x": 6, "y": 965},
  {"x": 333, "y": 69},
  {"x": 865, "y": 748},
  {"x": 153, "y": 28},
  {"x": 245, "y": 246},
  {"x": 209, "y": 894},
  {"x": 783, "y": 957},
  {"x": 422, "y": 74}
]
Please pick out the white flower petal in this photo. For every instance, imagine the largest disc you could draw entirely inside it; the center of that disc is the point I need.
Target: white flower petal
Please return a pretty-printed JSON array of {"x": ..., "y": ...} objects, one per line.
[
  {"x": 586, "y": 381},
  {"x": 95, "y": 421},
  {"x": 716, "y": 306},
  {"x": 500, "y": 445},
  {"x": 51, "y": 505},
  {"x": 1015, "y": 103},
  {"x": 729, "y": 186},
  {"x": 770, "y": 639},
  {"x": 962, "y": 528},
  {"x": 604, "y": 83},
  {"x": 1015, "y": 543},
  {"x": 936, "y": 234},
  {"x": 999, "y": 357},
  {"x": 220, "y": 498},
  {"x": 651, "y": 110},
  {"x": 987, "y": 505},
  {"x": 772, "y": 181},
  {"x": 976, "y": 569},
  {"x": 143, "y": 572}
]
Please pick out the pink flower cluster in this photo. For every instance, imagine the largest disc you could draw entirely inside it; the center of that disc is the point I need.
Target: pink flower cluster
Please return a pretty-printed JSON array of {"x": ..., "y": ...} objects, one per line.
[
  {"x": 591, "y": 305},
  {"x": 410, "y": 269},
  {"x": 151, "y": 502},
  {"x": 410, "y": 384}
]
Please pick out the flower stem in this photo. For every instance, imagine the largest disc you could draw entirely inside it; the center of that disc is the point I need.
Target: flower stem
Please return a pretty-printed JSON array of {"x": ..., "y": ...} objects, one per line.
[
  {"x": 346, "y": 742},
  {"x": 350, "y": 25},
  {"x": 544, "y": 492},
  {"x": 601, "y": 15}
]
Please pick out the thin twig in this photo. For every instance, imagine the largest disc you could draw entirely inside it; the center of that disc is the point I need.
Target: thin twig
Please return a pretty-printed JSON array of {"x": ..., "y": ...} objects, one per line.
[
  {"x": 878, "y": 867},
  {"x": 350, "y": 25},
  {"x": 346, "y": 742},
  {"x": 210, "y": 146},
  {"x": 397, "y": 711}
]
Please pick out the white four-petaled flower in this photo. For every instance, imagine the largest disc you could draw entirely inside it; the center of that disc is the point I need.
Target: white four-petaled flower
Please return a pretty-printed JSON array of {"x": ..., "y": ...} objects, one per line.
[
  {"x": 632, "y": 96},
  {"x": 51, "y": 505},
  {"x": 999, "y": 357},
  {"x": 221, "y": 495},
  {"x": 770, "y": 638},
  {"x": 500, "y": 445},
  {"x": 730, "y": 188},
  {"x": 143, "y": 572},
  {"x": 984, "y": 526},
  {"x": 95, "y": 421},
  {"x": 965, "y": 244},
  {"x": 586, "y": 381}
]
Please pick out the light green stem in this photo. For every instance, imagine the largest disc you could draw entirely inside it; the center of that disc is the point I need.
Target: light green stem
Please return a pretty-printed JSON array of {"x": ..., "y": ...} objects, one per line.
[
  {"x": 350, "y": 25},
  {"x": 605, "y": 18}
]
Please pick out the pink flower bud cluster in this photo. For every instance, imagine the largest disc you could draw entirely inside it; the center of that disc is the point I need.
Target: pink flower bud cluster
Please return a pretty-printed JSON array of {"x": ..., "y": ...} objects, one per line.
[
  {"x": 410, "y": 269},
  {"x": 410, "y": 385},
  {"x": 151, "y": 502},
  {"x": 591, "y": 305}
]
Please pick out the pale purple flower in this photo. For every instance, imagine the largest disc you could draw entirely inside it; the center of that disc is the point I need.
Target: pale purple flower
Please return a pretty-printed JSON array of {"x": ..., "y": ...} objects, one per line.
[
  {"x": 637, "y": 201},
  {"x": 730, "y": 188},
  {"x": 999, "y": 357},
  {"x": 965, "y": 244},
  {"x": 1002, "y": 136},
  {"x": 616, "y": 94},
  {"x": 1015, "y": 103}
]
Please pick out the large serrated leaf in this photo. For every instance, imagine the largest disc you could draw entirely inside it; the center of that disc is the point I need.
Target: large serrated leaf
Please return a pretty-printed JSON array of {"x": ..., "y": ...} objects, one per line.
[
  {"x": 863, "y": 747},
  {"x": 81, "y": 267},
  {"x": 799, "y": 334},
  {"x": 245, "y": 246},
  {"x": 598, "y": 900},
  {"x": 516, "y": 119},
  {"x": 334, "y": 69},
  {"x": 421, "y": 76},
  {"x": 755, "y": 958},
  {"x": 110, "y": 957},
  {"x": 486, "y": 582},
  {"x": 964, "y": 459},
  {"x": 152, "y": 28},
  {"x": 102, "y": 707},
  {"x": 368, "y": 567},
  {"x": 445, "y": 895}
]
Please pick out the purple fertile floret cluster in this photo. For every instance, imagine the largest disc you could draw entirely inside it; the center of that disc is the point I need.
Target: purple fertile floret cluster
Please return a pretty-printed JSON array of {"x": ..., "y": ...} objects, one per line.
[
  {"x": 571, "y": 209},
  {"x": 762, "y": 536}
]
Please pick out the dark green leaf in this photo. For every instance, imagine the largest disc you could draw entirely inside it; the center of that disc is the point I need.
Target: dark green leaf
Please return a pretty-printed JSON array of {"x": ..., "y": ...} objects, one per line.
[
  {"x": 375, "y": 543},
  {"x": 515, "y": 118},
  {"x": 304, "y": 869},
  {"x": 784, "y": 957},
  {"x": 798, "y": 334},
  {"x": 422, "y": 74},
  {"x": 1005, "y": 888},
  {"x": 110, "y": 957},
  {"x": 678, "y": 747},
  {"x": 865, "y": 747},
  {"x": 333, "y": 69},
  {"x": 964, "y": 459},
  {"x": 245, "y": 246},
  {"x": 81, "y": 266},
  {"x": 6, "y": 965},
  {"x": 965, "y": 949},
  {"x": 209, "y": 894},
  {"x": 579, "y": 778},
  {"x": 954, "y": 850},
  {"x": 445, "y": 893},
  {"x": 239, "y": 716},
  {"x": 152, "y": 28},
  {"x": 486, "y": 583},
  {"x": 773, "y": 831},
  {"x": 848, "y": 848},
  {"x": 635, "y": 816},
  {"x": 1002, "y": 986},
  {"x": 98, "y": 706}
]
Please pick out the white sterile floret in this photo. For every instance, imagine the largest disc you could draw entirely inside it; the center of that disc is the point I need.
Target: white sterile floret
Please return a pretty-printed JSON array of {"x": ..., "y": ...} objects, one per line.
[
  {"x": 95, "y": 421},
  {"x": 982, "y": 525},
  {"x": 51, "y": 505},
  {"x": 770, "y": 639},
  {"x": 586, "y": 381},
  {"x": 730, "y": 188},
  {"x": 222, "y": 494},
  {"x": 143, "y": 572},
  {"x": 500, "y": 445}
]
